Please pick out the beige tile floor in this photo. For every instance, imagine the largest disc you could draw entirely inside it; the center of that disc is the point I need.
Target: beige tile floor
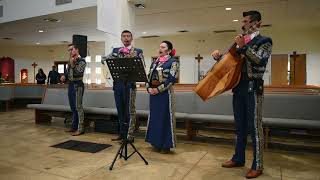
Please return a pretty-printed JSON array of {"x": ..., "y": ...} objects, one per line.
[{"x": 25, "y": 154}]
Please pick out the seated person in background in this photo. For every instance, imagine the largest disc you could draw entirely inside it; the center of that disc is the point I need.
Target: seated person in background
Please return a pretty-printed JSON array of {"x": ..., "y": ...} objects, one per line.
[
  {"x": 1, "y": 79},
  {"x": 41, "y": 77}
]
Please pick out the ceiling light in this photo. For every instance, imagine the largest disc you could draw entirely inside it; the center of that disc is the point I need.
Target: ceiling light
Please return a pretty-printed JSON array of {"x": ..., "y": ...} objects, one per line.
[
  {"x": 152, "y": 36},
  {"x": 183, "y": 31},
  {"x": 37, "y": 43},
  {"x": 144, "y": 32},
  {"x": 228, "y": 9},
  {"x": 7, "y": 38},
  {"x": 52, "y": 20},
  {"x": 41, "y": 31},
  {"x": 266, "y": 25},
  {"x": 140, "y": 6},
  {"x": 235, "y": 20},
  {"x": 225, "y": 31}
]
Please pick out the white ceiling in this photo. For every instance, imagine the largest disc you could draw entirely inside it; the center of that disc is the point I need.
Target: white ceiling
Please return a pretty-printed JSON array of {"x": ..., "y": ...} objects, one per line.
[
  {"x": 81, "y": 21},
  {"x": 165, "y": 17}
]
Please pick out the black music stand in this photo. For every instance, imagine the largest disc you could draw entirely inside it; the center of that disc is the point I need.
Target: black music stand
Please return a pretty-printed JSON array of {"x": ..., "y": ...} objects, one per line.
[{"x": 126, "y": 70}]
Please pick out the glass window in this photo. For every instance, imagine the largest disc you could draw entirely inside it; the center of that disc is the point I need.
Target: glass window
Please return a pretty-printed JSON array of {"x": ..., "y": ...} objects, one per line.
[
  {"x": 88, "y": 70},
  {"x": 98, "y": 81},
  {"x": 98, "y": 70},
  {"x": 98, "y": 58},
  {"x": 88, "y": 59},
  {"x": 60, "y": 68}
]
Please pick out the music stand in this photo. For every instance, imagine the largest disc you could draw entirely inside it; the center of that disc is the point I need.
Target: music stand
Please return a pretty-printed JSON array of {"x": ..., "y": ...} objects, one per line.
[{"x": 126, "y": 70}]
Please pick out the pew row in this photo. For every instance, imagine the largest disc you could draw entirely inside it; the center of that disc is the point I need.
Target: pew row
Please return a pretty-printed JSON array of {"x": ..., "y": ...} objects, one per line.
[
  {"x": 13, "y": 92},
  {"x": 288, "y": 111}
]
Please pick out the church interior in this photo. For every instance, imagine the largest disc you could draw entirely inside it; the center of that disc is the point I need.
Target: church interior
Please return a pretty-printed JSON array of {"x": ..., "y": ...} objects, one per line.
[{"x": 36, "y": 34}]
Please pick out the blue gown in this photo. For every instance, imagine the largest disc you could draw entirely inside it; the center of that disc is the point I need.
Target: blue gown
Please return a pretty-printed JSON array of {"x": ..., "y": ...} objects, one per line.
[{"x": 161, "y": 121}]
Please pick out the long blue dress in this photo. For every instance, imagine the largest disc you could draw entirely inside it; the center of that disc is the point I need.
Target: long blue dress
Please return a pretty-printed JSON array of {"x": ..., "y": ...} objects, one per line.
[{"x": 161, "y": 121}]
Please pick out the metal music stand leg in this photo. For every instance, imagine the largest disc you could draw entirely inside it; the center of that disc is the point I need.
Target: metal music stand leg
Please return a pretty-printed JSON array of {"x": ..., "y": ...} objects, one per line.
[{"x": 125, "y": 141}]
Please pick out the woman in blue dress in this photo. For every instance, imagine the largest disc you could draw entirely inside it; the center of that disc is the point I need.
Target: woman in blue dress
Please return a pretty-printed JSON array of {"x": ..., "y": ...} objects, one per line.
[{"x": 161, "y": 122}]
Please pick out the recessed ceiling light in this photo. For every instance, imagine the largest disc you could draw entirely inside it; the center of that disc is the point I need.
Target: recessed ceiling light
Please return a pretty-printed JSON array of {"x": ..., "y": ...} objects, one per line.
[
  {"x": 228, "y": 9},
  {"x": 235, "y": 20},
  {"x": 52, "y": 20},
  {"x": 225, "y": 31},
  {"x": 7, "y": 38},
  {"x": 41, "y": 31},
  {"x": 37, "y": 43},
  {"x": 152, "y": 36},
  {"x": 266, "y": 25},
  {"x": 140, "y": 6}
]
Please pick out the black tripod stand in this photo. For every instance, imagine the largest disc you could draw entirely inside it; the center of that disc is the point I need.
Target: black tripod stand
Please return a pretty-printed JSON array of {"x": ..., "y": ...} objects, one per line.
[{"x": 126, "y": 70}]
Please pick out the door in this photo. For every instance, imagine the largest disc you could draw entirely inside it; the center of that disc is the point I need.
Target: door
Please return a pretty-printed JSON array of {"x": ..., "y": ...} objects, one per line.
[
  {"x": 298, "y": 69},
  {"x": 279, "y": 69}
]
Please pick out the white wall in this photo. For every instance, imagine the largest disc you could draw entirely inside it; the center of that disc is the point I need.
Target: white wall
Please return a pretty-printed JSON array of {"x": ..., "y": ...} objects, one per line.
[
  {"x": 188, "y": 45},
  {"x": 33, "y": 8},
  {"x": 313, "y": 69}
]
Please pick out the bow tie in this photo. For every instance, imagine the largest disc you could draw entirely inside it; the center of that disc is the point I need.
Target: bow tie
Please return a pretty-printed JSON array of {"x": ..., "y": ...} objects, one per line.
[
  {"x": 124, "y": 50},
  {"x": 163, "y": 58},
  {"x": 247, "y": 39}
]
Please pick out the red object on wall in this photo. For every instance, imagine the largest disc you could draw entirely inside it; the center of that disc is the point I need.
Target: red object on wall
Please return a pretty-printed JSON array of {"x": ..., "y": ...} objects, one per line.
[
  {"x": 24, "y": 75},
  {"x": 7, "y": 68}
]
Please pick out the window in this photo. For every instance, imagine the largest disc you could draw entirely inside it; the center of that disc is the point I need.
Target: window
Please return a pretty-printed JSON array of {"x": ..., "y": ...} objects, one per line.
[
  {"x": 98, "y": 70},
  {"x": 88, "y": 70},
  {"x": 61, "y": 68},
  {"x": 98, "y": 81},
  {"x": 98, "y": 58},
  {"x": 88, "y": 59}
]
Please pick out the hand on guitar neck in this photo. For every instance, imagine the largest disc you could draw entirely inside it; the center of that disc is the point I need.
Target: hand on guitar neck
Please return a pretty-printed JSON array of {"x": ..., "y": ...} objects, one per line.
[
  {"x": 216, "y": 55},
  {"x": 240, "y": 40}
]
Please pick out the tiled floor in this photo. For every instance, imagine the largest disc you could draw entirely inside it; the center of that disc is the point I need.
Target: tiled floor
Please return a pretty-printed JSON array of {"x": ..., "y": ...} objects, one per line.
[{"x": 25, "y": 153}]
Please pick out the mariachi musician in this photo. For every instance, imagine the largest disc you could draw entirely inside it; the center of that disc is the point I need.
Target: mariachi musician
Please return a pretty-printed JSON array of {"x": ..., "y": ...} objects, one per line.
[{"x": 255, "y": 50}]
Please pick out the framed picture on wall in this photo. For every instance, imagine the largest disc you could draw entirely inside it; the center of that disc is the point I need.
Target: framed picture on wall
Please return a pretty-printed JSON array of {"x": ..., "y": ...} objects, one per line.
[
  {"x": 176, "y": 57},
  {"x": 24, "y": 75}
]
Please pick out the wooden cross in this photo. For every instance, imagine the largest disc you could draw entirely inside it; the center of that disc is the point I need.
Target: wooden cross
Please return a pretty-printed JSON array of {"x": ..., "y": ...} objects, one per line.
[
  {"x": 34, "y": 65},
  {"x": 198, "y": 58}
]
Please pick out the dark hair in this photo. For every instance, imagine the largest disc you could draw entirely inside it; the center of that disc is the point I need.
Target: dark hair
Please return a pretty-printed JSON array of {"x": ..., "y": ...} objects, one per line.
[
  {"x": 74, "y": 45},
  {"x": 41, "y": 71},
  {"x": 254, "y": 15},
  {"x": 170, "y": 46},
  {"x": 126, "y": 31}
]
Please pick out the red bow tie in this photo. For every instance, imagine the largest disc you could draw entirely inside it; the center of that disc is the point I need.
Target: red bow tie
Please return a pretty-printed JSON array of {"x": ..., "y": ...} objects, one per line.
[{"x": 124, "y": 50}]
